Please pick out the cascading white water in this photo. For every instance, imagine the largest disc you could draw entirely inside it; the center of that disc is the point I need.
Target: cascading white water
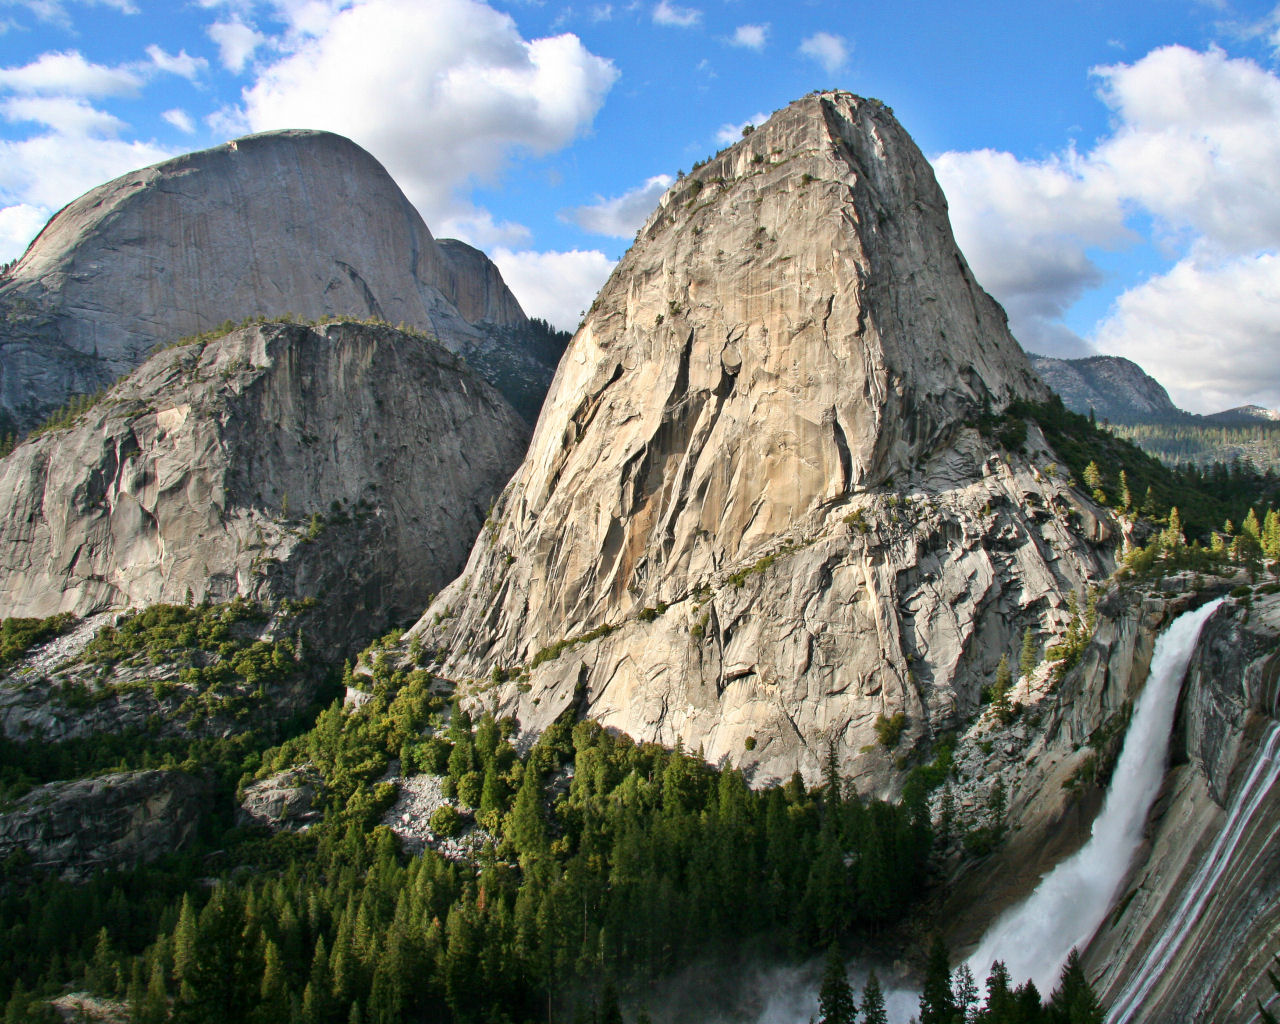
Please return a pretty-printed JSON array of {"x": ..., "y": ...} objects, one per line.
[
  {"x": 1257, "y": 786},
  {"x": 1035, "y": 937}
]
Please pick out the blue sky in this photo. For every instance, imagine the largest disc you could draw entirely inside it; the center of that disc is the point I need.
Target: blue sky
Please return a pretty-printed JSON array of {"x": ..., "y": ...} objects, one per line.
[{"x": 1113, "y": 166}]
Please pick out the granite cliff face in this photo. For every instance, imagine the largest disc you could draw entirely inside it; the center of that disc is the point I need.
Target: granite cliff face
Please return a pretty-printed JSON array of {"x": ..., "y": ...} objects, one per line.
[
  {"x": 112, "y": 821},
  {"x": 299, "y": 222},
  {"x": 752, "y": 517},
  {"x": 1115, "y": 389},
  {"x": 349, "y": 461}
]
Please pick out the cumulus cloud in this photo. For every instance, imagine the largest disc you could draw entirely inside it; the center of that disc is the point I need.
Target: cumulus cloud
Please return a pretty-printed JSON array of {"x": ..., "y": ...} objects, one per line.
[
  {"x": 622, "y": 215},
  {"x": 69, "y": 74},
  {"x": 556, "y": 286},
  {"x": 831, "y": 51},
  {"x": 1208, "y": 331},
  {"x": 1050, "y": 215},
  {"x": 55, "y": 11},
  {"x": 180, "y": 119},
  {"x": 446, "y": 95},
  {"x": 1198, "y": 143},
  {"x": 1194, "y": 151},
  {"x": 728, "y": 133},
  {"x": 18, "y": 225},
  {"x": 64, "y": 114},
  {"x": 678, "y": 17},
  {"x": 180, "y": 63},
  {"x": 236, "y": 42},
  {"x": 753, "y": 37}
]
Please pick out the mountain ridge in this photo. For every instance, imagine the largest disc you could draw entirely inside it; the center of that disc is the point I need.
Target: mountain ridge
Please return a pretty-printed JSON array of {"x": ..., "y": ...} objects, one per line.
[{"x": 304, "y": 223}]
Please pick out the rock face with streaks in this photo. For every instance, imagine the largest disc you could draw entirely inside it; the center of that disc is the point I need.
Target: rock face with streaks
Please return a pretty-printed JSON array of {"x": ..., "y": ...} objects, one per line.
[
  {"x": 300, "y": 222},
  {"x": 350, "y": 461},
  {"x": 111, "y": 821},
  {"x": 752, "y": 516},
  {"x": 1194, "y": 932}
]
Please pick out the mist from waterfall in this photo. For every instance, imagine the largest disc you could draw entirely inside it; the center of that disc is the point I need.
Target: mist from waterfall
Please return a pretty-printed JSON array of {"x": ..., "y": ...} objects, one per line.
[{"x": 1035, "y": 937}]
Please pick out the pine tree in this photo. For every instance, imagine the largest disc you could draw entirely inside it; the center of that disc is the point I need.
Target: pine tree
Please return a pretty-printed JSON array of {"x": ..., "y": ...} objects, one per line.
[
  {"x": 184, "y": 949},
  {"x": 1093, "y": 480},
  {"x": 1251, "y": 527},
  {"x": 946, "y": 813},
  {"x": 835, "y": 997},
  {"x": 1126, "y": 496},
  {"x": 831, "y": 782},
  {"x": 155, "y": 1006},
  {"x": 937, "y": 1002},
  {"x": 873, "y": 1009},
  {"x": 1000, "y": 704},
  {"x": 1172, "y": 539},
  {"x": 610, "y": 1011},
  {"x": 1000, "y": 999},
  {"x": 1074, "y": 1001},
  {"x": 1029, "y": 658},
  {"x": 965, "y": 990}
]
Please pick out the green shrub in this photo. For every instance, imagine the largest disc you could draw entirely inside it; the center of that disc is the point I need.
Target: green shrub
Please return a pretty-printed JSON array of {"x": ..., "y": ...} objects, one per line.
[
  {"x": 889, "y": 729},
  {"x": 445, "y": 821}
]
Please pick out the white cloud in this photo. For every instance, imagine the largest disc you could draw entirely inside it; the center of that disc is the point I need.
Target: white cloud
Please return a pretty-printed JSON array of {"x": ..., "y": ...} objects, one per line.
[
  {"x": 69, "y": 74},
  {"x": 601, "y": 12},
  {"x": 1047, "y": 213},
  {"x": 753, "y": 37},
  {"x": 442, "y": 93},
  {"x": 677, "y": 17},
  {"x": 1198, "y": 143},
  {"x": 236, "y": 42},
  {"x": 729, "y": 133},
  {"x": 180, "y": 119},
  {"x": 19, "y": 224},
  {"x": 831, "y": 51},
  {"x": 622, "y": 215},
  {"x": 476, "y": 227},
  {"x": 64, "y": 114},
  {"x": 180, "y": 63},
  {"x": 1193, "y": 158},
  {"x": 556, "y": 286},
  {"x": 1208, "y": 331},
  {"x": 55, "y": 11}
]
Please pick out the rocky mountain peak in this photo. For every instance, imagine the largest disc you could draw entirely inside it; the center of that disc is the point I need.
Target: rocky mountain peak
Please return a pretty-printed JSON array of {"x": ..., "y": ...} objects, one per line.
[
  {"x": 285, "y": 222},
  {"x": 793, "y": 335}
]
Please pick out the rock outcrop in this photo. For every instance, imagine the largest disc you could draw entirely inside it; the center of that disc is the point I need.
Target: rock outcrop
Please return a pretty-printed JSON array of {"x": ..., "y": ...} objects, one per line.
[
  {"x": 752, "y": 517},
  {"x": 350, "y": 461},
  {"x": 287, "y": 800},
  {"x": 111, "y": 821},
  {"x": 299, "y": 222},
  {"x": 1116, "y": 389}
]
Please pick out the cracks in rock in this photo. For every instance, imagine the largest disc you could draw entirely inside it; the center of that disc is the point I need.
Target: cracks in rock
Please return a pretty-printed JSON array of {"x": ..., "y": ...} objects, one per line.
[{"x": 842, "y": 449}]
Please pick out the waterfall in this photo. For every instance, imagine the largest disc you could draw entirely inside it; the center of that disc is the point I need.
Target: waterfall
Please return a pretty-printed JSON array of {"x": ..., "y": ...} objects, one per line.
[
  {"x": 1262, "y": 776},
  {"x": 1035, "y": 937}
]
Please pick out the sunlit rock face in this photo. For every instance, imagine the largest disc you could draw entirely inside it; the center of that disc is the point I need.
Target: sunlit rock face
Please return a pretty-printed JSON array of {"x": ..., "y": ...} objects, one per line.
[
  {"x": 299, "y": 222},
  {"x": 751, "y": 488},
  {"x": 349, "y": 462}
]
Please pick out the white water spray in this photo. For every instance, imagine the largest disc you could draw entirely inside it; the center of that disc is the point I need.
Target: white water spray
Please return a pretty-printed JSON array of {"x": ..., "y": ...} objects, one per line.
[
  {"x": 1035, "y": 937},
  {"x": 1256, "y": 788}
]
